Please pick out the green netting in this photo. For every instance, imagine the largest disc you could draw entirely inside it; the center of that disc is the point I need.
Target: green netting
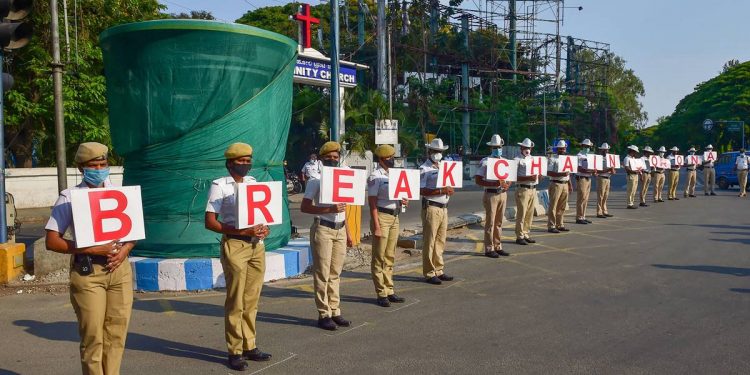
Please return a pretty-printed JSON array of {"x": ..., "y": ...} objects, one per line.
[{"x": 179, "y": 92}]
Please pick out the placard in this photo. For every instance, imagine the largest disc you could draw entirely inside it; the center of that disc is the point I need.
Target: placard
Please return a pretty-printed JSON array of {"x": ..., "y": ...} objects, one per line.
[
  {"x": 258, "y": 203},
  {"x": 595, "y": 162},
  {"x": 567, "y": 163},
  {"x": 694, "y": 160},
  {"x": 654, "y": 161},
  {"x": 678, "y": 160},
  {"x": 636, "y": 164},
  {"x": 664, "y": 163},
  {"x": 709, "y": 156},
  {"x": 535, "y": 166},
  {"x": 403, "y": 184},
  {"x": 343, "y": 185},
  {"x": 450, "y": 174},
  {"x": 612, "y": 161},
  {"x": 502, "y": 169},
  {"x": 103, "y": 215}
]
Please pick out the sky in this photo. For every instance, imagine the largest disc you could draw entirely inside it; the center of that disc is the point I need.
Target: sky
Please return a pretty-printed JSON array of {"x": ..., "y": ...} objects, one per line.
[{"x": 672, "y": 45}]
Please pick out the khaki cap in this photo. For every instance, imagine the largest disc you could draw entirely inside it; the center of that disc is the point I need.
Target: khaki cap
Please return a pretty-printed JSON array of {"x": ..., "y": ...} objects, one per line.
[
  {"x": 385, "y": 151},
  {"x": 238, "y": 150},
  {"x": 329, "y": 147},
  {"x": 89, "y": 151}
]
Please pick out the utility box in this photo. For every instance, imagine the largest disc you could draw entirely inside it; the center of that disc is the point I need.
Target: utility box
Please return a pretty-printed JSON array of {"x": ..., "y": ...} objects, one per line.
[{"x": 11, "y": 261}]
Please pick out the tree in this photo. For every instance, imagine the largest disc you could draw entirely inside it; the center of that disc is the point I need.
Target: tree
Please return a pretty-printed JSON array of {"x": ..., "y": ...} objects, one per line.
[{"x": 194, "y": 14}]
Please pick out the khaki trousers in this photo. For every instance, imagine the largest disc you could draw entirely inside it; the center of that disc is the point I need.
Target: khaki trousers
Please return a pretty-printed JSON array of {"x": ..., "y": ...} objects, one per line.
[
  {"x": 383, "y": 254},
  {"x": 658, "y": 186},
  {"x": 435, "y": 226},
  {"x": 742, "y": 177},
  {"x": 646, "y": 181},
  {"x": 244, "y": 265},
  {"x": 558, "y": 199},
  {"x": 632, "y": 188},
  {"x": 583, "y": 189},
  {"x": 494, "y": 213},
  {"x": 674, "y": 179},
  {"x": 709, "y": 180},
  {"x": 102, "y": 302},
  {"x": 329, "y": 251},
  {"x": 691, "y": 180},
  {"x": 602, "y": 194},
  {"x": 525, "y": 199}
]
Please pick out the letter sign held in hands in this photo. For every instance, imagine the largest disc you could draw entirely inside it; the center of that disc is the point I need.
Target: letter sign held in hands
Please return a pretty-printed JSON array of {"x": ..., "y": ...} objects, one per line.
[
  {"x": 612, "y": 161},
  {"x": 403, "y": 184},
  {"x": 450, "y": 174},
  {"x": 694, "y": 159},
  {"x": 343, "y": 185},
  {"x": 595, "y": 162},
  {"x": 654, "y": 161},
  {"x": 502, "y": 169},
  {"x": 567, "y": 163},
  {"x": 107, "y": 214},
  {"x": 259, "y": 203},
  {"x": 536, "y": 166},
  {"x": 709, "y": 156}
]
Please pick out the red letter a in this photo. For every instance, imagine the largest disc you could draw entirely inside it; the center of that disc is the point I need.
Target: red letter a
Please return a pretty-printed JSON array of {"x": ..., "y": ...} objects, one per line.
[{"x": 403, "y": 185}]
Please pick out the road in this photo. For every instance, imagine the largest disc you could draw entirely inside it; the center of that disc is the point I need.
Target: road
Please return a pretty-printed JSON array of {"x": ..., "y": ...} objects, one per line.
[{"x": 658, "y": 290}]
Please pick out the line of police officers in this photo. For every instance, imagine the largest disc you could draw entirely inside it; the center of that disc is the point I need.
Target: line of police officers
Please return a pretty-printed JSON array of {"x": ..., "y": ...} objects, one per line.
[{"x": 101, "y": 288}]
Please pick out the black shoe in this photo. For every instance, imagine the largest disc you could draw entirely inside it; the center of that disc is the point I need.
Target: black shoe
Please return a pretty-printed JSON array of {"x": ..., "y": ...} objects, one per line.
[
  {"x": 396, "y": 299},
  {"x": 553, "y": 230},
  {"x": 675, "y": 198},
  {"x": 691, "y": 195},
  {"x": 563, "y": 229},
  {"x": 705, "y": 193},
  {"x": 661, "y": 200},
  {"x": 670, "y": 199},
  {"x": 327, "y": 324},
  {"x": 340, "y": 321},
  {"x": 445, "y": 277},
  {"x": 383, "y": 302},
  {"x": 601, "y": 216},
  {"x": 433, "y": 280},
  {"x": 256, "y": 355},
  {"x": 491, "y": 254},
  {"x": 608, "y": 215},
  {"x": 632, "y": 207},
  {"x": 581, "y": 221},
  {"x": 588, "y": 221},
  {"x": 643, "y": 205},
  {"x": 236, "y": 362},
  {"x": 713, "y": 193},
  {"x": 529, "y": 240},
  {"x": 503, "y": 253},
  {"x": 521, "y": 241}
]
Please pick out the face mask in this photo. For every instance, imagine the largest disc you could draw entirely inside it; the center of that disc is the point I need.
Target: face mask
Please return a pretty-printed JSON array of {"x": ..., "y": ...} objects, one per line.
[
  {"x": 661, "y": 153},
  {"x": 240, "y": 169},
  {"x": 330, "y": 163},
  {"x": 526, "y": 152},
  {"x": 95, "y": 177},
  {"x": 586, "y": 150},
  {"x": 562, "y": 151},
  {"x": 389, "y": 163},
  {"x": 436, "y": 157},
  {"x": 692, "y": 152},
  {"x": 497, "y": 152}
]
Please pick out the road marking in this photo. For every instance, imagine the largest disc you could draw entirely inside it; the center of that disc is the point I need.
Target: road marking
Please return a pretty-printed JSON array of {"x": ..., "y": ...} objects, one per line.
[
  {"x": 348, "y": 330},
  {"x": 191, "y": 295},
  {"x": 166, "y": 306},
  {"x": 404, "y": 306},
  {"x": 532, "y": 267},
  {"x": 277, "y": 363}
]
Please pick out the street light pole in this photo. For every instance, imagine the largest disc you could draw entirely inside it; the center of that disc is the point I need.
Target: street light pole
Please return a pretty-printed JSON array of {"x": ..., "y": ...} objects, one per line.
[{"x": 57, "y": 77}]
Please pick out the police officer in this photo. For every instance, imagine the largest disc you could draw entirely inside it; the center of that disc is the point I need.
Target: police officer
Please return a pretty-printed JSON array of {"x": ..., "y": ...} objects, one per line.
[
  {"x": 559, "y": 190},
  {"x": 494, "y": 201},
  {"x": 658, "y": 176},
  {"x": 632, "y": 176},
  {"x": 311, "y": 169},
  {"x": 646, "y": 174},
  {"x": 583, "y": 182},
  {"x": 691, "y": 175},
  {"x": 674, "y": 174},
  {"x": 709, "y": 174},
  {"x": 603, "y": 185},
  {"x": 329, "y": 238},
  {"x": 740, "y": 166},
  {"x": 243, "y": 258},
  {"x": 385, "y": 226},
  {"x": 525, "y": 195},
  {"x": 434, "y": 215},
  {"x": 101, "y": 279}
]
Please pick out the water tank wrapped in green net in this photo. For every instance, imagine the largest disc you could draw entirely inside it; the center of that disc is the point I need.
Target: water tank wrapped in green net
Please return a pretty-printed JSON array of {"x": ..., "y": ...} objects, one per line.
[{"x": 179, "y": 92}]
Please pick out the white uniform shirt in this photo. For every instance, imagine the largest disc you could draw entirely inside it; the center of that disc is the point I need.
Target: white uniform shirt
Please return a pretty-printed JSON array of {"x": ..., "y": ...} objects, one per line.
[
  {"x": 690, "y": 167},
  {"x": 312, "y": 169},
  {"x": 658, "y": 169},
  {"x": 482, "y": 170},
  {"x": 522, "y": 171},
  {"x": 61, "y": 217},
  {"x": 313, "y": 193},
  {"x": 377, "y": 186},
  {"x": 708, "y": 163},
  {"x": 583, "y": 163},
  {"x": 222, "y": 199},
  {"x": 428, "y": 175},
  {"x": 672, "y": 164},
  {"x": 647, "y": 164},
  {"x": 626, "y": 163},
  {"x": 741, "y": 162},
  {"x": 552, "y": 167}
]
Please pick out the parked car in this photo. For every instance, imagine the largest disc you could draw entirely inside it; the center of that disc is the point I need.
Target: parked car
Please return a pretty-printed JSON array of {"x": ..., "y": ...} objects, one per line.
[{"x": 726, "y": 177}]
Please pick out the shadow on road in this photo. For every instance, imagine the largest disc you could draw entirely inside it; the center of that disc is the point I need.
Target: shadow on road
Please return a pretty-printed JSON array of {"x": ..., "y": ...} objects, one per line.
[
  {"x": 734, "y": 271},
  {"x": 740, "y": 290}
]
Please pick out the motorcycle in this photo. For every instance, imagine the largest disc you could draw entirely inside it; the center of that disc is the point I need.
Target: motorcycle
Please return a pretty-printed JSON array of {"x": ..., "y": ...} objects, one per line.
[{"x": 293, "y": 183}]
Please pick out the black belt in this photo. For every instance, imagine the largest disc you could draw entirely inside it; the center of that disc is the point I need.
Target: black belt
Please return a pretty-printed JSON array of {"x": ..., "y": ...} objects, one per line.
[
  {"x": 604, "y": 177},
  {"x": 559, "y": 182},
  {"x": 494, "y": 191},
  {"x": 584, "y": 177},
  {"x": 427, "y": 202},
  {"x": 659, "y": 172},
  {"x": 241, "y": 238},
  {"x": 632, "y": 172},
  {"x": 709, "y": 167},
  {"x": 674, "y": 170},
  {"x": 691, "y": 169},
  {"x": 99, "y": 259},
  {"x": 389, "y": 211},
  {"x": 331, "y": 224},
  {"x": 527, "y": 186}
]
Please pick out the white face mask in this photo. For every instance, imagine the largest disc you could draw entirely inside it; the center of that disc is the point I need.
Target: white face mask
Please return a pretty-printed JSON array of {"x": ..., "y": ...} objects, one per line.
[
  {"x": 436, "y": 157},
  {"x": 586, "y": 150},
  {"x": 526, "y": 152}
]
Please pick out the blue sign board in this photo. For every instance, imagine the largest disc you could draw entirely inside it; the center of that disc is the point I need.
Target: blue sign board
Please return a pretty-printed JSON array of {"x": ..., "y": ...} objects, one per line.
[{"x": 316, "y": 72}]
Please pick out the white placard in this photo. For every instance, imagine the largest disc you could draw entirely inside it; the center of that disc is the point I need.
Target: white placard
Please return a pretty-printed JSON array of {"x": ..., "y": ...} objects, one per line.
[
  {"x": 535, "y": 166},
  {"x": 664, "y": 163},
  {"x": 386, "y": 132},
  {"x": 258, "y": 203},
  {"x": 636, "y": 164},
  {"x": 567, "y": 163},
  {"x": 595, "y": 162},
  {"x": 343, "y": 185},
  {"x": 450, "y": 174},
  {"x": 108, "y": 214},
  {"x": 403, "y": 184},
  {"x": 694, "y": 160},
  {"x": 502, "y": 169},
  {"x": 612, "y": 161},
  {"x": 710, "y": 156},
  {"x": 678, "y": 160},
  {"x": 654, "y": 161}
]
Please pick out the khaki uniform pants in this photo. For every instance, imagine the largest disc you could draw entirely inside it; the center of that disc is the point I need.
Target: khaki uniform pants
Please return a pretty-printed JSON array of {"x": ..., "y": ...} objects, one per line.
[
  {"x": 658, "y": 186},
  {"x": 102, "y": 302},
  {"x": 645, "y": 182},
  {"x": 383, "y": 254},
  {"x": 632, "y": 188},
  {"x": 494, "y": 213},
  {"x": 709, "y": 180},
  {"x": 435, "y": 226},
  {"x": 674, "y": 179},
  {"x": 558, "y": 199},
  {"x": 602, "y": 194},
  {"x": 329, "y": 251},
  {"x": 525, "y": 198},
  {"x": 244, "y": 265},
  {"x": 583, "y": 189},
  {"x": 691, "y": 180},
  {"x": 742, "y": 177}
]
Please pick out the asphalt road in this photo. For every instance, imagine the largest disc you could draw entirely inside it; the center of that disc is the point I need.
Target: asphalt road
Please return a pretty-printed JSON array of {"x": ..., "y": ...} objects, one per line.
[{"x": 658, "y": 290}]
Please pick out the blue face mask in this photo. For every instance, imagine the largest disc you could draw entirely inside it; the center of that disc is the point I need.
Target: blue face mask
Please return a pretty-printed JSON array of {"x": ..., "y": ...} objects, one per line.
[
  {"x": 497, "y": 152},
  {"x": 95, "y": 177}
]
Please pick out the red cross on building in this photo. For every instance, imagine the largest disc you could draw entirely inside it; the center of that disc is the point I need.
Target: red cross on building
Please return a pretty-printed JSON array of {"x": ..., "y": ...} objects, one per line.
[{"x": 306, "y": 21}]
